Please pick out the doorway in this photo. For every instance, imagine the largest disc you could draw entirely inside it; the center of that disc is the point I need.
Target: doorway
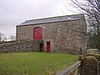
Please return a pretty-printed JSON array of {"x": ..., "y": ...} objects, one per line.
[
  {"x": 41, "y": 47},
  {"x": 48, "y": 46}
]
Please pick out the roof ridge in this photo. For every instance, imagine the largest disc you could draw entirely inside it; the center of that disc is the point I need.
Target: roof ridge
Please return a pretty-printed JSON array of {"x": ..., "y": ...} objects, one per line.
[
  {"x": 56, "y": 17},
  {"x": 53, "y": 19}
]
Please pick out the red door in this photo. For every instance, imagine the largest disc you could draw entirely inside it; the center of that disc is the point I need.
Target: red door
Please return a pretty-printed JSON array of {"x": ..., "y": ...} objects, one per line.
[
  {"x": 48, "y": 47},
  {"x": 38, "y": 33}
]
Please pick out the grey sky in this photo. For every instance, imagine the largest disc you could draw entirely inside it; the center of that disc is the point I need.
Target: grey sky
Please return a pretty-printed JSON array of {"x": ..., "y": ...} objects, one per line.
[{"x": 14, "y": 12}]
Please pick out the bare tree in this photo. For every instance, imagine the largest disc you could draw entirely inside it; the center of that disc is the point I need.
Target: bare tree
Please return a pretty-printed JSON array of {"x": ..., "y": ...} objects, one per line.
[
  {"x": 92, "y": 9},
  {"x": 12, "y": 37},
  {"x": 2, "y": 37}
]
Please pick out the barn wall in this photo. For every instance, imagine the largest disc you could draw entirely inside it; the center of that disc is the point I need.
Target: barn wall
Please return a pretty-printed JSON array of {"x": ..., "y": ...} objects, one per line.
[
  {"x": 24, "y": 33},
  {"x": 64, "y": 36}
]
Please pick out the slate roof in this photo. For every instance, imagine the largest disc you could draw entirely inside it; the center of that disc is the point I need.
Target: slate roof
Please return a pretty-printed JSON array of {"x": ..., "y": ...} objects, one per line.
[{"x": 53, "y": 19}]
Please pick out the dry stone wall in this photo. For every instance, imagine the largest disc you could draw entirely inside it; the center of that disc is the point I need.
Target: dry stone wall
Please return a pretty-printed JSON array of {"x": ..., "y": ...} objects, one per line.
[{"x": 21, "y": 46}]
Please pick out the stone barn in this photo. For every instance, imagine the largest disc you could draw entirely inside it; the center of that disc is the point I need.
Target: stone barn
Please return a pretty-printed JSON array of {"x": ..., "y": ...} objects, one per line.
[{"x": 60, "y": 34}]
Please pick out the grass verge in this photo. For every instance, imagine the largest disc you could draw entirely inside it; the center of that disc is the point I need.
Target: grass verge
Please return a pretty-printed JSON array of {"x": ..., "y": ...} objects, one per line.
[{"x": 34, "y": 63}]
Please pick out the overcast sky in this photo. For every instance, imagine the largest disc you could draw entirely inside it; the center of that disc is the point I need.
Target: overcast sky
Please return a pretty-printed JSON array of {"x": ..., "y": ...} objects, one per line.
[{"x": 14, "y": 12}]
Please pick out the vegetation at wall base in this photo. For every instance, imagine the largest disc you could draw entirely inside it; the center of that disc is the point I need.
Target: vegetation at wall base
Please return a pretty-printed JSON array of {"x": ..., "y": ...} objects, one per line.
[{"x": 34, "y": 63}]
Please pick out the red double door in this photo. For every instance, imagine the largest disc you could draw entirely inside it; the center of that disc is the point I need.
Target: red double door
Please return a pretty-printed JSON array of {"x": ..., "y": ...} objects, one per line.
[
  {"x": 37, "y": 33},
  {"x": 48, "y": 46}
]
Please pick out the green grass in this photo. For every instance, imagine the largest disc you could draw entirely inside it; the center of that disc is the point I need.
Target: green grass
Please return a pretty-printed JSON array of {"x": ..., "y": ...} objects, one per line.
[{"x": 34, "y": 63}]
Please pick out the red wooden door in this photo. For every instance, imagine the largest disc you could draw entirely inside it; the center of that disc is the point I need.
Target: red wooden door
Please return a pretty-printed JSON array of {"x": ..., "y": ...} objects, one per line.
[
  {"x": 38, "y": 33},
  {"x": 48, "y": 47}
]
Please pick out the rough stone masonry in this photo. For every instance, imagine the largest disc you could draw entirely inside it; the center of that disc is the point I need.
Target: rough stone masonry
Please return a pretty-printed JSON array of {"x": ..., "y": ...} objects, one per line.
[
  {"x": 60, "y": 34},
  {"x": 21, "y": 46}
]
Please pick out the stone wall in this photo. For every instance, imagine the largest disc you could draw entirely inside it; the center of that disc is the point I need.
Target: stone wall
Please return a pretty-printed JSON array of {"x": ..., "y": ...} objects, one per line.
[
  {"x": 21, "y": 46},
  {"x": 93, "y": 51},
  {"x": 24, "y": 32}
]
